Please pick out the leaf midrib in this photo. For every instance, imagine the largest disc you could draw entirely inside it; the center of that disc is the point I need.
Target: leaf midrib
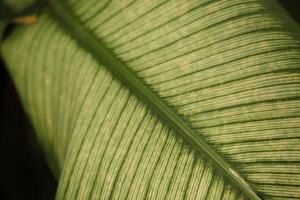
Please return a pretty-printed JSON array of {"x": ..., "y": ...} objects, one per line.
[{"x": 105, "y": 57}]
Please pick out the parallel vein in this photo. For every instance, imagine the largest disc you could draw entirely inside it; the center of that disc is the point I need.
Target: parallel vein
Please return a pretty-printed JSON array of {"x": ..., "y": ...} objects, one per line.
[
  {"x": 105, "y": 57},
  {"x": 230, "y": 68}
]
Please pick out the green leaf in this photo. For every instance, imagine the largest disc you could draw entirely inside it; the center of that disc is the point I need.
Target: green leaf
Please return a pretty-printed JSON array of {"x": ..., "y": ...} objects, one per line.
[{"x": 164, "y": 99}]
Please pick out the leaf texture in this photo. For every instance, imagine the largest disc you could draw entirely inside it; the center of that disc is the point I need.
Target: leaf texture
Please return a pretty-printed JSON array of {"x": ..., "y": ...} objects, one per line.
[{"x": 229, "y": 68}]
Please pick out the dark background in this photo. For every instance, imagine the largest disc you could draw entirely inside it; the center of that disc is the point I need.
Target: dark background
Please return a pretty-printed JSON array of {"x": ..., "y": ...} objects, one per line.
[{"x": 24, "y": 173}]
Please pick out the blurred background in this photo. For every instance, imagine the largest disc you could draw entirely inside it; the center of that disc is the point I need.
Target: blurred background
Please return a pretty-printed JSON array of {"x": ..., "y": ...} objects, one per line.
[{"x": 24, "y": 173}]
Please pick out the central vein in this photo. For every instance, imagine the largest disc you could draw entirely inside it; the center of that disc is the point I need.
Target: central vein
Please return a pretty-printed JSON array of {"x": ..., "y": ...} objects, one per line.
[{"x": 105, "y": 57}]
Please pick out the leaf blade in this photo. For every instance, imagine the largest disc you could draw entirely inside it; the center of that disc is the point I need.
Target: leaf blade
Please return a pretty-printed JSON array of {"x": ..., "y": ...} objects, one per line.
[
  {"x": 208, "y": 111},
  {"x": 96, "y": 47}
]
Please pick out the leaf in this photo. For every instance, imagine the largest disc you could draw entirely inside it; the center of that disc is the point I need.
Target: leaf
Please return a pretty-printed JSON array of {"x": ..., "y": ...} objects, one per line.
[{"x": 163, "y": 99}]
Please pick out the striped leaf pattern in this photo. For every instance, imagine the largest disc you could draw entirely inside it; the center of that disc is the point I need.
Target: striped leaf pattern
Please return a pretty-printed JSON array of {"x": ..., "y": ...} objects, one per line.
[{"x": 229, "y": 69}]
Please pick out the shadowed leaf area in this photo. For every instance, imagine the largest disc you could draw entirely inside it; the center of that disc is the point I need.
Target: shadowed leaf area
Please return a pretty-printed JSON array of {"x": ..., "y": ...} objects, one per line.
[{"x": 163, "y": 99}]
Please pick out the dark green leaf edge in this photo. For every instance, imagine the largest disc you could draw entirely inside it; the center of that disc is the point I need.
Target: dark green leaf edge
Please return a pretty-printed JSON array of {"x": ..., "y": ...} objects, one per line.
[{"x": 59, "y": 11}]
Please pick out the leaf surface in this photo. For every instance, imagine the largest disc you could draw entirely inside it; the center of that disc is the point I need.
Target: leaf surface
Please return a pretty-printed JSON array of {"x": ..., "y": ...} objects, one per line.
[{"x": 164, "y": 99}]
